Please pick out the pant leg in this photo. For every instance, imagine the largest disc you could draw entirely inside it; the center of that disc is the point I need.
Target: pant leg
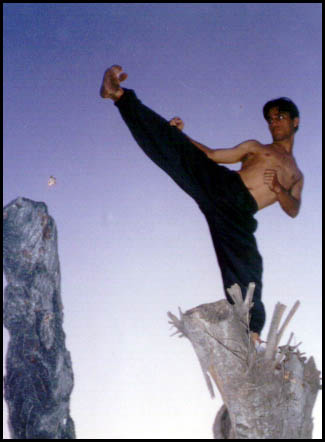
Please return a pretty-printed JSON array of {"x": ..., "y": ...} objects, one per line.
[
  {"x": 172, "y": 151},
  {"x": 238, "y": 257},
  {"x": 213, "y": 187}
]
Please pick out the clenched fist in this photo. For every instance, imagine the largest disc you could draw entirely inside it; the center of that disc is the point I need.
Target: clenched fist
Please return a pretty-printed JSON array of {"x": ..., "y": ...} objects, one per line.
[
  {"x": 271, "y": 180},
  {"x": 178, "y": 122}
]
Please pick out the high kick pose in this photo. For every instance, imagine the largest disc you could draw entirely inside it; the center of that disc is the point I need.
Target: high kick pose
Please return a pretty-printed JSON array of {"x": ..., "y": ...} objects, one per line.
[{"x": 228, "y": 199}]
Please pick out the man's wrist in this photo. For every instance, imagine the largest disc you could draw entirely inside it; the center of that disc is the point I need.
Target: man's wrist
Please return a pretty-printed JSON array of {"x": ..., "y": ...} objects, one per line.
[{"x": 284, "y": 194}]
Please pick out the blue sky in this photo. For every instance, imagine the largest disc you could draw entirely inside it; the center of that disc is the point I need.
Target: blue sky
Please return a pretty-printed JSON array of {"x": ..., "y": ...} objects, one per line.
[{"x": 132, "y": 245}]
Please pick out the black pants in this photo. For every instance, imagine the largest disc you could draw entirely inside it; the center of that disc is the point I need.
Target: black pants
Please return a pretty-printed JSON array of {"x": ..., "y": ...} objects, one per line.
[{"x": 220, "y": 193}]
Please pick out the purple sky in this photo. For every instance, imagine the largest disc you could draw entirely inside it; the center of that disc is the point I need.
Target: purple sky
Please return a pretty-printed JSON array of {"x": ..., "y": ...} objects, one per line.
[{"x": 132, "y": 245}]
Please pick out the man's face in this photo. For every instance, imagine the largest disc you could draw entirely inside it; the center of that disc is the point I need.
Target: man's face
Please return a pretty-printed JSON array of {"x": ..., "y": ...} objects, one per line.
[{"x": 281, "y": 125}]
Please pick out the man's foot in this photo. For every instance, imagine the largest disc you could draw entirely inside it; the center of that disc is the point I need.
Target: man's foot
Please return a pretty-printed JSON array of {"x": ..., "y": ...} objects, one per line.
[
  {"x": 256, "y": 339},
  {"x": 110, "y": 87},
  {"x": 257, "y": 342}
]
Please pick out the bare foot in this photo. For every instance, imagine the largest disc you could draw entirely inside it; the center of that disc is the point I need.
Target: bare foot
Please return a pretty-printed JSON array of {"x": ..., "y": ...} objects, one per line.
[
  {"x": 256, "y": 338},
  {"x": 110, "y": 87}
]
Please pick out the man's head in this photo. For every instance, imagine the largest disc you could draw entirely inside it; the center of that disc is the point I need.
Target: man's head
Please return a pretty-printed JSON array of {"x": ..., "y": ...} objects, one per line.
[{"x": 282, "y": 116}]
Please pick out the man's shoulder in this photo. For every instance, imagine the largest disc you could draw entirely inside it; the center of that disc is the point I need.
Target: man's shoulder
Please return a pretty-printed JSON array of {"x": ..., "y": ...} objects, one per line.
[
  {"x": 254, "y": 143},
  {"x": 252, "y": 146}
]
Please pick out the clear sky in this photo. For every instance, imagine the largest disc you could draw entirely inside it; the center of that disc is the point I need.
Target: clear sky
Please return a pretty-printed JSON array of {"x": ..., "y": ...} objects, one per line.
[{"x": 132, "y": 245}]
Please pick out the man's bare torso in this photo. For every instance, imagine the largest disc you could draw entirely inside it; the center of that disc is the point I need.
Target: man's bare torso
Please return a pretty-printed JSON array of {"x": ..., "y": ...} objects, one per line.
[{"x": 268, "y": 157}]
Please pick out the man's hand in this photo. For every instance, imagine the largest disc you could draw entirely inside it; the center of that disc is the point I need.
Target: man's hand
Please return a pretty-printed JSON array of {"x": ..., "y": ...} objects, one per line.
[
  {"x": 271, "y": 180},
  {"x": 289, "y": 199},
  {"x": 176, "y": 121}
]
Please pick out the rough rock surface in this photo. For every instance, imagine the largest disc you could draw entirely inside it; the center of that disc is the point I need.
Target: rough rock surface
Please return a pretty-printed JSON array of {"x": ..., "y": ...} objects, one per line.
[{"x": 39, "y": 377}]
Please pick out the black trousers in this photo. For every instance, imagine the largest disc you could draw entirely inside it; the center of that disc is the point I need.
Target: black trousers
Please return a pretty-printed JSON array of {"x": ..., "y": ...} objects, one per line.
[{"x": 219, "y": 192}]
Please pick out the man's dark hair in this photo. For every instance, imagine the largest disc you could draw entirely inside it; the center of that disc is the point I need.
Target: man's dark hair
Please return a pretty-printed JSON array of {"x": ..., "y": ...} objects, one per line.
[{"x": 283, "y": 104}]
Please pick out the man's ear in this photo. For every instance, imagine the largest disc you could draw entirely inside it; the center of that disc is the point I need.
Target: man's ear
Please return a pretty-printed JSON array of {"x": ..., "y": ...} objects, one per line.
[{"x": 296, "y": 122}]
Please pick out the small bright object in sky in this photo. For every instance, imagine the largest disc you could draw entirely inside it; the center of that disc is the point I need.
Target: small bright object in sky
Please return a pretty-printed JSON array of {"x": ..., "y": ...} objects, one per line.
[{"x": 51, "y": 181}]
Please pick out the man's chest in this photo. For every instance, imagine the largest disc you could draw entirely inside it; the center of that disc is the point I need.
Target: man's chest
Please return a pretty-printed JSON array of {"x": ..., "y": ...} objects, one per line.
[{"x": 286, "y": 167}]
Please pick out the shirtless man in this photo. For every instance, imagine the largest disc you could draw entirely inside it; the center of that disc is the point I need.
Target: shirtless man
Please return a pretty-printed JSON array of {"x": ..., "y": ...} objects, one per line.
[
  {"x": 269, "y": 171},
  {"x": 227, "y": 198}
]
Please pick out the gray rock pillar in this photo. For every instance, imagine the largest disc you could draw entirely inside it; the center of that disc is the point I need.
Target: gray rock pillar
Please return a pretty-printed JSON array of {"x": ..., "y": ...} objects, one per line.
[{"x": 39, "y": 377}]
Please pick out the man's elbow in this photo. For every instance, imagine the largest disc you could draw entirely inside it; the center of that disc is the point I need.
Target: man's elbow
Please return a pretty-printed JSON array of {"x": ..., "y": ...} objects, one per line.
[
  {"x": 293, "y": 212},
  {"x": 290, "y": 205}
]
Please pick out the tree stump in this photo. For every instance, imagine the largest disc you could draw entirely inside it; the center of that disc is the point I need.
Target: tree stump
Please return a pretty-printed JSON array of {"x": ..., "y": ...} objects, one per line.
[
  {"x": 267, "y": 394},
  {"x": 39, "y": 377}
]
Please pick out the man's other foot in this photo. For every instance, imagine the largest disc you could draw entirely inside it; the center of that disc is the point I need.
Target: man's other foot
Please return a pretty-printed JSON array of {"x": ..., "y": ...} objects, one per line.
[
  {"x": 255, "y": 337},
  {"x": 110, "y": 87}
]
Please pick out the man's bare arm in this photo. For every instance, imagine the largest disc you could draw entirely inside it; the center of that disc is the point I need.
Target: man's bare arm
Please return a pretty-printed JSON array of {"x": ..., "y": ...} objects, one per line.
[
  {"x": 207, "y": 150},
  {"x": 289, "y": 200},
  {"x": 231, "y": 155},
  {"x": 288, "y": 203}
]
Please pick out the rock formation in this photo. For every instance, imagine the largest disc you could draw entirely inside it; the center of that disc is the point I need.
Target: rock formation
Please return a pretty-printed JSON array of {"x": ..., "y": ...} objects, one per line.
[{"x": 39, "y": 377}]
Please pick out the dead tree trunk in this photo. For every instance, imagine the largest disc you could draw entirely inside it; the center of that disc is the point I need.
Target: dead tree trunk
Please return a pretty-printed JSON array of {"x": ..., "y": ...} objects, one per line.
[
  {"x": 267, "y": 394},
  {"x": 39, "y": 377}
]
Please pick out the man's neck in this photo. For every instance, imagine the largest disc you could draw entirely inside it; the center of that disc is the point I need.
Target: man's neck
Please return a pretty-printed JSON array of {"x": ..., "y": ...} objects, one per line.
[{"x": 284, "y": 145}]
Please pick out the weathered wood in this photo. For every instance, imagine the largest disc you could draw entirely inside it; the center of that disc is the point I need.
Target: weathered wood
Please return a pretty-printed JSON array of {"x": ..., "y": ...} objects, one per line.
[
  {"x": 267, "y": 394},
  {"x": 39, "y": 377}
]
